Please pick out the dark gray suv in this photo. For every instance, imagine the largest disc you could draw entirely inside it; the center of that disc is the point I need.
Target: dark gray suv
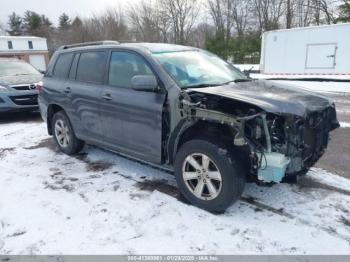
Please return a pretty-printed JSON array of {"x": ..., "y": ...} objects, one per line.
[{"x": 185, "y": 110}]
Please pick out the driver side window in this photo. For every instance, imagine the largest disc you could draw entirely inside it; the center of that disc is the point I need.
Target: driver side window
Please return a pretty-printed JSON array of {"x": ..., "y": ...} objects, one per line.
[{"x": 124, "y": 66}]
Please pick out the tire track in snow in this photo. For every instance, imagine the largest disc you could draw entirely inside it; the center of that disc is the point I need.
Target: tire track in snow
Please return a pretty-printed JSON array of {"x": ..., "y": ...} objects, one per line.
[
  {"x": 254, "y": 202},
  {"x": 163, "y": 187}
]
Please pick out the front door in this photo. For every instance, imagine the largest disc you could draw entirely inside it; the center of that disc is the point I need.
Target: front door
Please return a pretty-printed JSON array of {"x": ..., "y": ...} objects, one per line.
[{"x": 131, "y": 120}]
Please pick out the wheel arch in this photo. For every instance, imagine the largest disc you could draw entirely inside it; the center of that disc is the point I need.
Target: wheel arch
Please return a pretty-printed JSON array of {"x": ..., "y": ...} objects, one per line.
[
  {"x": 51, "y": 110},
  {"x": 188, "y": 130}
]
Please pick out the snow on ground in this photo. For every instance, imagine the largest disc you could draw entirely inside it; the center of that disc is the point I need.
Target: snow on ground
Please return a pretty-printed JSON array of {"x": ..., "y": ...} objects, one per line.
[
  {"x": 324, "y": 177},
  {"x": 100, "y": 203},
  {"x": 344, "y": 124}
]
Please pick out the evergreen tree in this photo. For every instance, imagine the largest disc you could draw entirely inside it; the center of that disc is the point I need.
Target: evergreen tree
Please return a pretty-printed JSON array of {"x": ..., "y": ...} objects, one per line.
[
  {"x": 15, "y": 24},
  {"x": 64, "y": 21},
  {"x": 344, "y": 12},
  {"x": 31, "y": 22}
]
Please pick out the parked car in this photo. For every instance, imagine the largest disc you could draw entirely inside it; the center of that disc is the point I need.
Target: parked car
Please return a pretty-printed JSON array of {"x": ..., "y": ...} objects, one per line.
[
  {"x": 18, "y": 81},
  {"x": 186, "y": 110}
]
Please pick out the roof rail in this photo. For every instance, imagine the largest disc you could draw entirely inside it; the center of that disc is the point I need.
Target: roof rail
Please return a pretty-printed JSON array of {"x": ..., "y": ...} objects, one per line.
[{"x": 89, "y": 44}]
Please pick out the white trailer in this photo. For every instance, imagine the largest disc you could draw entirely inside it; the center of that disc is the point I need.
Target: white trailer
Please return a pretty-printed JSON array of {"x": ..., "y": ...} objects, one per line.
[{"x": 307, "y": 51}]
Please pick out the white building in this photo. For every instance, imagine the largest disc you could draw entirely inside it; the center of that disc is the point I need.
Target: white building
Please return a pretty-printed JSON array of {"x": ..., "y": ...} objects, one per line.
[{"x": 29, "y": 48}]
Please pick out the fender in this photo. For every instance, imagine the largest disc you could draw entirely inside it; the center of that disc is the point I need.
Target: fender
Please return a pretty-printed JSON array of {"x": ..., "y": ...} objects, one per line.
[{"x": 191, "y": 113}]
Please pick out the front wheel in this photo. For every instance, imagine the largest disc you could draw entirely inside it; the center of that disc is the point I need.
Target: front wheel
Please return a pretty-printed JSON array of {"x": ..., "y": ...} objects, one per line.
[
  {"x": 208, "y": 175},
  {"x": 64, "y": 134}
]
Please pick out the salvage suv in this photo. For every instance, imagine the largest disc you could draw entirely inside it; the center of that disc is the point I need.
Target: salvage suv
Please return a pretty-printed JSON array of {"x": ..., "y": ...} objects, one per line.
[{"x": 185, "y": 110}]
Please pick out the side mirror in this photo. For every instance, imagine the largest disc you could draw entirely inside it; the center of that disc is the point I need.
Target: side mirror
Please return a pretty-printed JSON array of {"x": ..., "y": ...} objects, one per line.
[{"x": 144, "y": 83}]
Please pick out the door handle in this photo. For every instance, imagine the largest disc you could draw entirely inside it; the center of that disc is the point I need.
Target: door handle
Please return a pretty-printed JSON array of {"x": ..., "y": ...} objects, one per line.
[
  {"x": 107, "y": 97},
  {"x": 67, "y": 90}
]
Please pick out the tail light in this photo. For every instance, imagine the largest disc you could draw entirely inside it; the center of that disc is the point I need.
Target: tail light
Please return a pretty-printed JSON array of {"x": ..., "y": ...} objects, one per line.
[{"x": 39, "y": 86}]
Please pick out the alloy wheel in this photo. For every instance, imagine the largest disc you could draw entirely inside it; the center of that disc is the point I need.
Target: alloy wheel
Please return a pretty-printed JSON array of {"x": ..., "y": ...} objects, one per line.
[
  {"x": 62, "y": 133},
  {"x": 201, "y": 176}
]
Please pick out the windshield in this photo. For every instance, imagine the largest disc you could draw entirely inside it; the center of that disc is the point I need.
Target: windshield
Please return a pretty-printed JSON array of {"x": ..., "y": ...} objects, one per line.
[
  {"x": 198, "y": 69},
  {"x": 13, "y": 68}
]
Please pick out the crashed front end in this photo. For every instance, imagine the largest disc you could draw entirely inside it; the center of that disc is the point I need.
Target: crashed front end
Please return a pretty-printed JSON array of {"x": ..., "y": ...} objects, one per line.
[
  {"x": 280, "y": 145},
  {"x": 286, "y": 145}
]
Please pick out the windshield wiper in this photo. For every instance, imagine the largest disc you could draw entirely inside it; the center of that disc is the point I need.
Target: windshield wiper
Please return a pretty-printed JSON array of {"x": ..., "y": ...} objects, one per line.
[
  {"x": 200, "y": 86},
  {"x": 238, "y": 80}
]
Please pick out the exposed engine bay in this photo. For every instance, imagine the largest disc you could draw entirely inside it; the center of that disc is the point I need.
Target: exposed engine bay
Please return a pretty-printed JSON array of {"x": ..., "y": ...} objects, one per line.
[{"x": 280, "y": 144}]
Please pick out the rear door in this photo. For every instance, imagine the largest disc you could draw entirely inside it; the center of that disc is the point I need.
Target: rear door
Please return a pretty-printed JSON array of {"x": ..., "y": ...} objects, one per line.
[
  {"x": 131, "y": 120},
  {"x": 85, "y": 82},
  {"x": 321, "y": 56},
  {"x": 56, "y": 79}
]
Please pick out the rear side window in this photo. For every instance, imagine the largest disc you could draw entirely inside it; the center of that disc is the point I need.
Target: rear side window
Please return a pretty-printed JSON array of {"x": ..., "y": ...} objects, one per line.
[
  {"x": 91, "y": 67},
  {"x": 62, "y": 65}
]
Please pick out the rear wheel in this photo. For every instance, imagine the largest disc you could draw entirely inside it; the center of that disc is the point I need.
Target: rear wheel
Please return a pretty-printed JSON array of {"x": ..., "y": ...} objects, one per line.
[
  {"x": 63, "y": 134},
  {"x": 208, "y": 175}
]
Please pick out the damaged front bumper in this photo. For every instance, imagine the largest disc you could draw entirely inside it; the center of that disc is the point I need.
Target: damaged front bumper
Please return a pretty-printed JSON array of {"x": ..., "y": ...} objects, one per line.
[
  {"x": 280, "y": 145},
  {"x": 293, "y": 146}
]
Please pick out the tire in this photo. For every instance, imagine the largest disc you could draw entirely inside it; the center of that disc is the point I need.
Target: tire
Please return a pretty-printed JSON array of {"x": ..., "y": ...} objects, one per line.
[
  {"x": 222, "y": 159},
  {"x": 69, "y": 144}
]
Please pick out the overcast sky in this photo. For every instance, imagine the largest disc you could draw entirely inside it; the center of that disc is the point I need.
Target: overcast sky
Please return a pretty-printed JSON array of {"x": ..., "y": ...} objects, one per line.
[{"x": 53, "y": 8}]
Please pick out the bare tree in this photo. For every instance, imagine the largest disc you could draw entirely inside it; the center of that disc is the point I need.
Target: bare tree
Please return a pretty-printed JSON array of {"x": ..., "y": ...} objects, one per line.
[
  {"x": 2, "y": 29},
  {"x": 326, "y": 8},
  {"x": 315, "y": 12},
  {"x": 269, "y": 13},
  {"x": 289, "y": 13},
  {"x": 221, "y": 13},
  {"x": 181, "y": 15},
  {"x": 148, "y": 22},
  {"x": 109, "y": 25},
  {"x": 199, "y": 34},
  {"x": 241, "y": 14}
]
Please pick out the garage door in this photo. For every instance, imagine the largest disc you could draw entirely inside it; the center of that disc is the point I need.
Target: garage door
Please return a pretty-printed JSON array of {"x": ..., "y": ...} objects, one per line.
[
  {"x": 38, "y": 61},
  {"x": 321, "y": 56}
]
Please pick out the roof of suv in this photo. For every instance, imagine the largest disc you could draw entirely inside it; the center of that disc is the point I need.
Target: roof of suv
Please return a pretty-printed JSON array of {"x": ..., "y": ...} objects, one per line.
[
  {"x": 151, "y": 47},
  {"x": 160, "y": 47}
]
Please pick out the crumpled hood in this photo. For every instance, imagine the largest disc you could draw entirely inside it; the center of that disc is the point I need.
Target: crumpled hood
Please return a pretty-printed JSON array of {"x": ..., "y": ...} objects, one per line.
[
  {"x": 271, "y": 96},
  {"x": 20, "y": 79}
]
